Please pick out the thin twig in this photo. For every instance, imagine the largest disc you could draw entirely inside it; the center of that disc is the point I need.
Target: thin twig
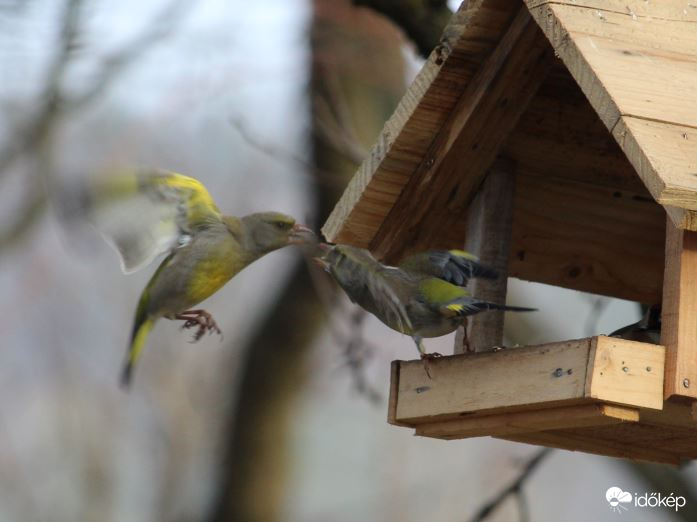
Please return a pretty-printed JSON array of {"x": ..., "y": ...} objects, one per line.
[
  {"x": 321, "y": 176},
  {"x": 160, "y": 27},
  {"x": 35, "y": 135},
  {"x": 355, "y": 349},
  {"x": 50, "y": 99},
  {"x": 514, "y": 488}
]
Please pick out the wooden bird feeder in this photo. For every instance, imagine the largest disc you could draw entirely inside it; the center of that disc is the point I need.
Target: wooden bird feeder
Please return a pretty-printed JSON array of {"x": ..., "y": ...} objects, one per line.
[{"x": 564, "y": 133}]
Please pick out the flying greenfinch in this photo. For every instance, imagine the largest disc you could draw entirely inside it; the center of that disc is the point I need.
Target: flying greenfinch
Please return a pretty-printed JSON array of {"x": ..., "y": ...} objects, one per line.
[
  {"x": 174, "y": 214},
  {"x": 422, "y": 297}
]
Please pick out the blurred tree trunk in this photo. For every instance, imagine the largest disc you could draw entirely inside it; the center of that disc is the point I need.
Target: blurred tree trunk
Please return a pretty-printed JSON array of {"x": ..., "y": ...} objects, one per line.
[{"x": 357, "y": 77}]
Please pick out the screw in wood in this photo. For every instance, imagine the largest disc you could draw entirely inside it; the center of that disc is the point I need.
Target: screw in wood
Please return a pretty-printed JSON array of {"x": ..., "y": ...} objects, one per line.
[{"x": 686, "y": 383}]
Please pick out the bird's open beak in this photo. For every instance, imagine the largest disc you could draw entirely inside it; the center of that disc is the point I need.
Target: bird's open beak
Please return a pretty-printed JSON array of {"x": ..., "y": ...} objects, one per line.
[{"x": 301, "y": 235}]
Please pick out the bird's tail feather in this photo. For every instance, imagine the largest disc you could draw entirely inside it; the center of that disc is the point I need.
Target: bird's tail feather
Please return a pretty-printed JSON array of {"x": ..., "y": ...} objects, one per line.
[
  {"x": 141, "y": 329},
  {"x": 505, "y": 308}
]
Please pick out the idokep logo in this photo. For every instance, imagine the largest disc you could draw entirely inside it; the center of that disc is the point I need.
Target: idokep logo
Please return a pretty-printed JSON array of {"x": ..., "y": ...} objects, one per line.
[
  {"x": 621, "y": 500},
  {"x": 616, "y": 497}
]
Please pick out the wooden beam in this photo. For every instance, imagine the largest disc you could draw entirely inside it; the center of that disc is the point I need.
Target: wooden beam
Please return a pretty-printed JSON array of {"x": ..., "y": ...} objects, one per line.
[
  {"x": 616, "y": 366},
  {"x": 532, "y": 377},
  {"x": 469, "y": 38},
  {"x": 467, "y": 144},
  {"x": 503, "y": 424},
  {"x": 682, "y": 218},
  {"x": 487, "y": 381},
  {"x": 489, "y": 226},
  {"x": 665, "y": 157},
  {"x": 575, "y": 440},
  {"x": 679, "y": 313}
]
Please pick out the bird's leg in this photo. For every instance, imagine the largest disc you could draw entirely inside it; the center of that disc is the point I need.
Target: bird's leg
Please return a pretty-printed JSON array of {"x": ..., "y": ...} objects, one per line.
[
  {"x": 200, "y": 318},
  {"x": 465, "y": 339},
  {"x": 425, "y": 357}
]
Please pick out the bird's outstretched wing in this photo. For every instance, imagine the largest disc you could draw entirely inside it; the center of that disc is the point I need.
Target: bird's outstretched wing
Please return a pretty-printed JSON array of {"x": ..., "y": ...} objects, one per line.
[
  {"x": 143, "y": 213},
  {"x": 365, "y": 281},
  {"x": 454, "y": 266}
]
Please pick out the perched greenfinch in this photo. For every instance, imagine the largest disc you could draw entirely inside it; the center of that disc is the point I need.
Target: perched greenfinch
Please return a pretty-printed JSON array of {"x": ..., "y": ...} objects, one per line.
[
  {"x": 174, "y": 214},
  {"x": 422, "y": 297}
]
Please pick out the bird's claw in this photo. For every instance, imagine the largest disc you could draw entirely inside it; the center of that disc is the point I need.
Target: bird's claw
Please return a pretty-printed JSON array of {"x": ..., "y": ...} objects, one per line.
[
  {"x": 200, "y": 319},
  {"x": 427, "y": 358}
]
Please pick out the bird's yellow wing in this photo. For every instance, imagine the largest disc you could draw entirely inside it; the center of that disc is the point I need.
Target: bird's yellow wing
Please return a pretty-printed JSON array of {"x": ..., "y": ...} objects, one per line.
[{"x": 144, "y": 213}]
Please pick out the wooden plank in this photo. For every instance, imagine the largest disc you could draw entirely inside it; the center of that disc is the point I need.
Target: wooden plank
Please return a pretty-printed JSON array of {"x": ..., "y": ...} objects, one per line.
[
  {"x": 682, "y": 218},
  {"x": 490, "y": 221},
  {"x": 529, "y": 421},
  {"x": 550, "y": 373},
  {"x": 646, "y": 67},
  {"x": 677, "y": 10},
  {"x": 560, "y": 135},
  {"x": 580, "y": 236},
  {"x": 639, "y": 72},
  {"x": 626, "y": 372},
  {"x": 576, "y": 441},
  {"x": 679, "y": 313},
  {"x": 469, "y": 141},
  {"x": 469, "y": 38},
  {"x": 677, "y": 412},
  {"x": 665, "y": 156},
  {"x": 529, "y": 377},
  {"x": 392, "y": 400}
]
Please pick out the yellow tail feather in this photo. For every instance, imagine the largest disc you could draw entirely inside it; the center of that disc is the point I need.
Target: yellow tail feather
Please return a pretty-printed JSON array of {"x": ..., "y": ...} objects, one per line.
[{"x": 140, "y": 335}]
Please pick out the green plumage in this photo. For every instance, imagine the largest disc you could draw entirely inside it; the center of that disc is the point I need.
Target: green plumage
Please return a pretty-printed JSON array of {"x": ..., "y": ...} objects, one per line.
[
  {"x": 144, "y": 213},
  {"x": 424, "y": 296}
]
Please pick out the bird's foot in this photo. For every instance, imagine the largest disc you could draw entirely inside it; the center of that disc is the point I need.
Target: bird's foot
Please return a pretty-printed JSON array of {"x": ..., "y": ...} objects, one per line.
[
  {"x": 427, "y": 358},
  {"x": 200, "y": 319}
]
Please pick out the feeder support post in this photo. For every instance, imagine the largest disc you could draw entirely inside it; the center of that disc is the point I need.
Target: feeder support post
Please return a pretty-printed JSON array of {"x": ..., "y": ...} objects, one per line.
[
  {"x": 679, "y": 312},
  {"x": 489, "y": 225}
]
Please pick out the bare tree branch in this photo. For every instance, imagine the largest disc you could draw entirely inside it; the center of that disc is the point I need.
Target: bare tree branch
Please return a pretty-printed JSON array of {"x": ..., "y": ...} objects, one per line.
[
  {"x": 54, "y": 104},
  {"x": 160, "y": 27},
  {"x": 321, "y": 176},
  {"x": 42, "y": 121},
  {"x": 514, "y": 488},
  {"x": 356, "y": 351}
]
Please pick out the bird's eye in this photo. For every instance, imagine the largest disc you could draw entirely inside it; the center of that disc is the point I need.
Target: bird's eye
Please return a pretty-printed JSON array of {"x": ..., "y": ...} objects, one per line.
[{"x": 281, "y": 225}]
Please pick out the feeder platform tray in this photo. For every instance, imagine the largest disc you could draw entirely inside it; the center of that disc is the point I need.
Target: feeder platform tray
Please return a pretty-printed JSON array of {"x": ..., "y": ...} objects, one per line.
[{"x": 598, "y": 395}]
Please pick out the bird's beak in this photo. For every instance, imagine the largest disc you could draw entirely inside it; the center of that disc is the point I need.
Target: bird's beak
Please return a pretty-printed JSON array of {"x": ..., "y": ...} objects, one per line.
[{"x": 301, "y": 235}]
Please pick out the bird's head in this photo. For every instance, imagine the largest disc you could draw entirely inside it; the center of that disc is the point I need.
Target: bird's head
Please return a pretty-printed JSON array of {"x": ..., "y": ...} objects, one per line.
[
  {"x": 272, "y": 230},
  {"x": 344, "y": 262}
]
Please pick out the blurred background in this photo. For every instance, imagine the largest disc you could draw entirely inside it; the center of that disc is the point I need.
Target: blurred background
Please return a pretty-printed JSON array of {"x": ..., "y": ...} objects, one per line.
[{"x": 272, "y": 105}]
